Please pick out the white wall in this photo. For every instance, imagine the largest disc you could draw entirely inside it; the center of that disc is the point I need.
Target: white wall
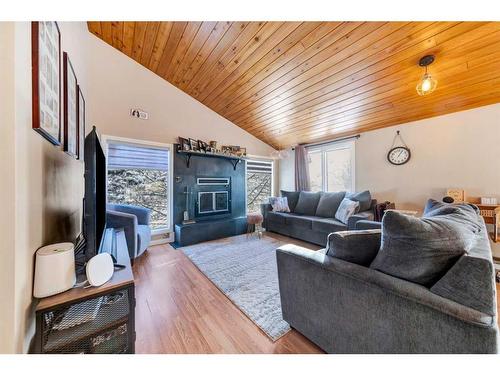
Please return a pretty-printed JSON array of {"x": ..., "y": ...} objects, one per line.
[
  {"x": 118, "y": 83},
  {"x": 7, "y": 186},
  {"x": 48, "y": 183},
  {"x": 459, "y": 150}
]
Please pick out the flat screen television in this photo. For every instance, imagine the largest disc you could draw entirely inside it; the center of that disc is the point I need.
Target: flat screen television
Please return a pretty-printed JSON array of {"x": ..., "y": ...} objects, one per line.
[{"x": 94, "y": 204}]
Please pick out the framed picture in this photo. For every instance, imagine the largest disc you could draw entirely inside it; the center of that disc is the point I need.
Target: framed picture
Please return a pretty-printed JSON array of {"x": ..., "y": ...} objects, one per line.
[
  {"x": 202, "y": 146},
  {"x": 242, "y": 152},
  {"x": 70, "y": 90},
  {"x": 81, "y": 123},
  {"x": 227, "y": 150},
  {"x": 193, "y": 144},
  {"x": 46, "y": 80},
  {"x": 184, "y": 144}
]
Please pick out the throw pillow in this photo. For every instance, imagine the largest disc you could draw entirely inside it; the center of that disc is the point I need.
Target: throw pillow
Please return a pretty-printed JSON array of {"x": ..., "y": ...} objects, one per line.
[
  {"x": 329, "y": 203},
  {"x": 346, "y": 209},
  {"x": 463, "y": 213},
  {"x": 292, "y": 197},
  {"x": 421, "y": 250},
  {"x": 357, "y": 246},
  {"x": 280, "y": 204},
  {"x": 307, "y": 203},
  {"x": 364, "y": 198}
]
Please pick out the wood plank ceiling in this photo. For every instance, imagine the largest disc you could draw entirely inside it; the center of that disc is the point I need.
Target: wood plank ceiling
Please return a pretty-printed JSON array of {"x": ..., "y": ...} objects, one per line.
[{"x": 302, "y": 82}]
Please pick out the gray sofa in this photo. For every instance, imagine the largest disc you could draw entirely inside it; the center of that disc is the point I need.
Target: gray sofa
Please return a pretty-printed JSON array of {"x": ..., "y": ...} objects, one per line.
[
  {"x": 135, "y": 222},
  {"x": 312, "y": 215},
  {"x": 346, "y": 307}
]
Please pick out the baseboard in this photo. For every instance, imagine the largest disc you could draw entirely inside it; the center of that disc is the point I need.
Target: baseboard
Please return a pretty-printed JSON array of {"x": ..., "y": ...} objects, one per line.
[{"x": 162, "y": 239}]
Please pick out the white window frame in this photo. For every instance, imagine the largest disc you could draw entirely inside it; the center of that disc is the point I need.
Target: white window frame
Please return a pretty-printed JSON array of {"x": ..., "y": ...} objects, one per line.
[
  {"x": 107, "y": 138},
  {"x": 323, "y": 149},
  {"x": 258, "y": 158}
]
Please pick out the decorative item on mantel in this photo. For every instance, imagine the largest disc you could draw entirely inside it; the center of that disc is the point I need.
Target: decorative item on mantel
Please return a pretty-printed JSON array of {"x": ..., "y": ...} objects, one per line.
[{"x": 199, "y": 146}]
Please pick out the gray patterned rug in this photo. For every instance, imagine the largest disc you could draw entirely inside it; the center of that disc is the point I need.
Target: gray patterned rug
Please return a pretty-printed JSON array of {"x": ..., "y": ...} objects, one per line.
[{"x": 245, "y": 271}]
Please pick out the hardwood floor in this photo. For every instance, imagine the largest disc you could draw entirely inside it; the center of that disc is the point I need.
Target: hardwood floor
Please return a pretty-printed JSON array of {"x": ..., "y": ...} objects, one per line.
[{"x": 179, "y": 310}]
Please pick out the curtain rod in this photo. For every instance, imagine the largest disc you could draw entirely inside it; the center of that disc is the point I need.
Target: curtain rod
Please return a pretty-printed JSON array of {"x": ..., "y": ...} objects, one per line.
[{"x": 330, "y": 142}]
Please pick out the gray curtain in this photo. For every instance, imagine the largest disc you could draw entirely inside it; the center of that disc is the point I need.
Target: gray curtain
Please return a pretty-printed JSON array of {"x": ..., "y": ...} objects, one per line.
[{"x": 302, "y": 181}]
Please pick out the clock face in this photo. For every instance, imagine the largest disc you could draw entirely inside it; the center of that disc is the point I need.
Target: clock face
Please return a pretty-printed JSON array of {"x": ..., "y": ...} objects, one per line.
[{"x": 399, "y": 155}]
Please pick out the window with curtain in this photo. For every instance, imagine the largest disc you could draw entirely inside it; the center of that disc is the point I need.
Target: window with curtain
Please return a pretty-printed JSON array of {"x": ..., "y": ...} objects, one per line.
[
  {"x": 138, "y": 174},
  {"x": 259, "y": 183},
  {"x": 331, "y": 167}
]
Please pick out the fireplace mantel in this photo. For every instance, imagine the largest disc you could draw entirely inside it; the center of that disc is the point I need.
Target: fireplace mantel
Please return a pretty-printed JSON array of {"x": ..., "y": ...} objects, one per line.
[{"x": 234, "y": 160}]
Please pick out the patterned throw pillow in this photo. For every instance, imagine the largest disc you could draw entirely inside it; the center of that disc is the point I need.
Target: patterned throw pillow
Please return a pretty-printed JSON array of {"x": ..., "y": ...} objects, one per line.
[
  {"x": 280, "y": 204},
  {"x": 346, "y": 209}
]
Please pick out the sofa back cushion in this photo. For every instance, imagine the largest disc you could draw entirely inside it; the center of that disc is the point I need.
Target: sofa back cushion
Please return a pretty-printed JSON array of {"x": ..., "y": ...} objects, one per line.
[
  {"x": 421, "y": 250},
  {"x": 329, "y": 203},
  {"x": 346, "y": 209},
  {"x": 360, "y": 246},
  {"x": 292, "y": 198},
  {"x": 307, "y": 203},
  {"x": 364, "y": 198}
]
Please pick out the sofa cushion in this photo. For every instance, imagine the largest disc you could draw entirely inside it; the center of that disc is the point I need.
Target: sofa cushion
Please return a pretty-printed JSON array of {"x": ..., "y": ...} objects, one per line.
[
  {"x": 421, "y": 250},
  {"x": 279, "y": 204},
  {"x": 360, "y": 246},
  {"x": 329, "y": 203},
  {"x": 346, "y": 209},
  {"x": 276, "y": 217},
  {"x": 327, "y": 225},
  {"x": 364, "y": 198},
  {"x": 463, "y": 213},
  {"x": 292, "y": 197},
  {"x": 307, "y": 203},
  {"x": 296, "y": 221}
]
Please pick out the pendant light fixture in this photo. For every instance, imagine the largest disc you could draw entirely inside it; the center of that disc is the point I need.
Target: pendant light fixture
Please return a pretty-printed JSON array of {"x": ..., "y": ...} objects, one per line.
[{"x": 427, "y": 84}]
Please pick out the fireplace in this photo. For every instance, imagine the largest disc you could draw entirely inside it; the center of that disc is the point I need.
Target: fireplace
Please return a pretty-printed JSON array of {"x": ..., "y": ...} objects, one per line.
[
  {"x": 212, "y": 202},
  {"x": 212, "y": 196}
]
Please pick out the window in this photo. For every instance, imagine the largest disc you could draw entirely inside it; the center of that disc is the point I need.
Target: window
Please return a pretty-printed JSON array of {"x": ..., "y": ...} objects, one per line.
[
  {"x": 139, "y": 174},
  {"x": 259, "y": 183},
  {"x": 331, "y": 167}
]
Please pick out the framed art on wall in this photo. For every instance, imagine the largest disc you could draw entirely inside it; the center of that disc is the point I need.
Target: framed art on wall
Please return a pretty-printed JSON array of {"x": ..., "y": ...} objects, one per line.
[
  {"x": 81, "y": 123},
  {"x": 70, "y": 89},
  {"x": 46, "y": 80}
]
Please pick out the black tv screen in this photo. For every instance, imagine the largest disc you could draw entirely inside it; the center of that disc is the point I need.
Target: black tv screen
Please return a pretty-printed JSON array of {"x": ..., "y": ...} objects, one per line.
[{"x": 94, "y": 207}]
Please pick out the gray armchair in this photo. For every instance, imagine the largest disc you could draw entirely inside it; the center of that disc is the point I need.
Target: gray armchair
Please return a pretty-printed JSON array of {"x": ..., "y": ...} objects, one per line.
[{"x": 135, "y": 221}]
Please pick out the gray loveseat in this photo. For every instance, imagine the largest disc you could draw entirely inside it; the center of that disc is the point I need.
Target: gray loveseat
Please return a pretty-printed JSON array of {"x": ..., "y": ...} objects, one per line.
[
  {"x": 312, "y": 215},
  {"x": 346, "y": 307}
]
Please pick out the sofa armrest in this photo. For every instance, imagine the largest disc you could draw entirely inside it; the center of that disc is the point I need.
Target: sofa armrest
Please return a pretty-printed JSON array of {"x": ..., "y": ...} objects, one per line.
[
  {"x": 368, "y": 224},
  {"x": 264, "y": 209},
  {"x": 116, "y": 219},
  {"x": 292, "y": 283},
  {"x": 363, "y": 215},
  {"x": 143, "y": 214}
]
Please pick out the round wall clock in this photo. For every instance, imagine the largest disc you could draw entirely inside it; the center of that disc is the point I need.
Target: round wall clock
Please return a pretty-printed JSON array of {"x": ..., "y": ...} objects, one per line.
[{"x": 399, "y": 155}]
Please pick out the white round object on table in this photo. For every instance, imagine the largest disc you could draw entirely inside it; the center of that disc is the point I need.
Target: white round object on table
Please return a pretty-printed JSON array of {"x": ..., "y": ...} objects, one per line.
[{"x": 99, "y": 269}]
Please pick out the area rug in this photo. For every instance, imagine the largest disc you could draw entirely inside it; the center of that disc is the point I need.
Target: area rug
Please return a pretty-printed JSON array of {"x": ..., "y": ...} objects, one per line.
[{"x": 245, "y": 271}]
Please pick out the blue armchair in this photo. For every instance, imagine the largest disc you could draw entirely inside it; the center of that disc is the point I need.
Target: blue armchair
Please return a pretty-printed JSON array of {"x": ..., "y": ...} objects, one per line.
[{"x": 135, "y": 221}]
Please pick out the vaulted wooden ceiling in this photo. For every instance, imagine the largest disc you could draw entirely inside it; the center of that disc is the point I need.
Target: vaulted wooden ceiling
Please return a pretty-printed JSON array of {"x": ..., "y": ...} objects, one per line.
[{"x": 301, "y": 82}]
